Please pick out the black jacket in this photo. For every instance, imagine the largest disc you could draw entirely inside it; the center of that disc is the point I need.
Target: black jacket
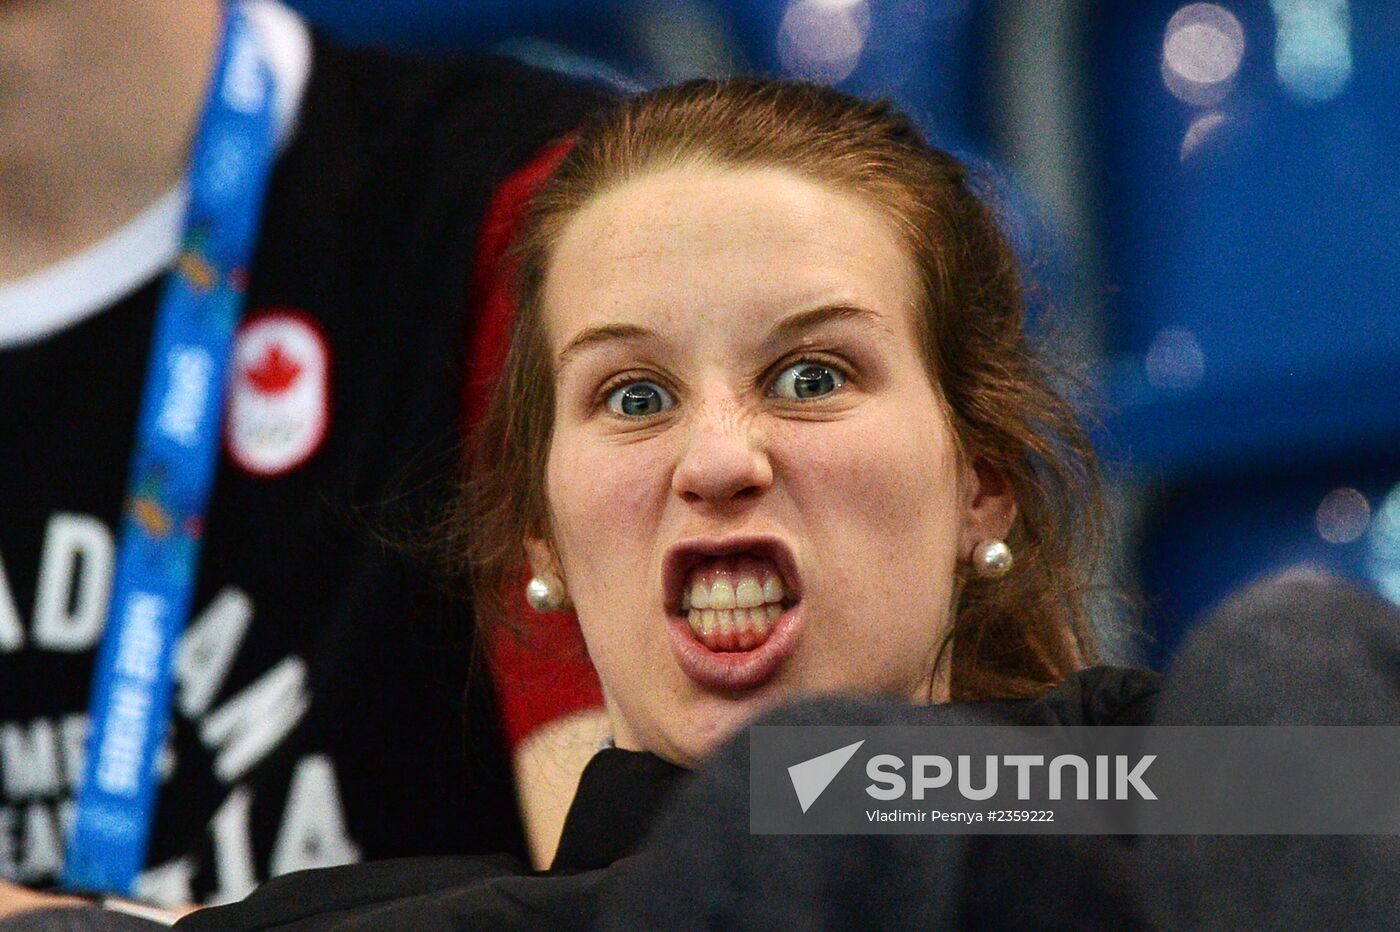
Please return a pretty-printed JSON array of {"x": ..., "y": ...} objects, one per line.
[{"x": 609, "y": 871}]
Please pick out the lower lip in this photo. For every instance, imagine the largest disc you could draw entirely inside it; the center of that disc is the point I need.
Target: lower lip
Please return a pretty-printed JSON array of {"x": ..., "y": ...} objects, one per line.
[{"x": 735, "y": 670}]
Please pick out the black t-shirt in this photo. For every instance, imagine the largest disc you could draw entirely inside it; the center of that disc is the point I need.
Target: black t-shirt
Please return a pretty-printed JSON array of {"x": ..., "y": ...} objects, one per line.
[{"x": 320, "y": 712}]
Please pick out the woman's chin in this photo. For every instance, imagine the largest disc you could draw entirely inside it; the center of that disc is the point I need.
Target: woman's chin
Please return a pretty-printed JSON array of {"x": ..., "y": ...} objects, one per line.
[{"x": 711, "y": 721}]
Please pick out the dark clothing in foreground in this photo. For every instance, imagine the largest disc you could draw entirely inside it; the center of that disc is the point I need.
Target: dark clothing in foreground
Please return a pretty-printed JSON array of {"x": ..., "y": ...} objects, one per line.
[
  {"x": 1297, "y": 650},
  {"x": 619, "y": 796},
  {"x": 1302, "y": 651}
]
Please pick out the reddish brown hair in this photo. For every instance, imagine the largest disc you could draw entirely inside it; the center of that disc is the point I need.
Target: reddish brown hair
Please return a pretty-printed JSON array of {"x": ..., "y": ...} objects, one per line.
[{"x": 1010, "y": 637}]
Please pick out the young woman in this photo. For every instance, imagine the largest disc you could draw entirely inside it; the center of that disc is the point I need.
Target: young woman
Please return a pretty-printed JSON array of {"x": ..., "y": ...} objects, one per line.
[{"x": 771, "y": 364}]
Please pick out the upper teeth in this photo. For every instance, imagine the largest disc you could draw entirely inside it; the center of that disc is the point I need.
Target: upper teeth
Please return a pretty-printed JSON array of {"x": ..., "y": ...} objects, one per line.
[{"x": 740, "y": 592}]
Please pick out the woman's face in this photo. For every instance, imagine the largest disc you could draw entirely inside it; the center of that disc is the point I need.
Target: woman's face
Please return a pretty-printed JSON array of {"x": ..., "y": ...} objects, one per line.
[{"x": 754, "y": 491}]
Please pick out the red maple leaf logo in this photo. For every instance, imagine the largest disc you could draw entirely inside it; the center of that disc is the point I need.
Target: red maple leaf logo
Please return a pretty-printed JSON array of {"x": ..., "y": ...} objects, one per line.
[{"x": 274, "y": 372}]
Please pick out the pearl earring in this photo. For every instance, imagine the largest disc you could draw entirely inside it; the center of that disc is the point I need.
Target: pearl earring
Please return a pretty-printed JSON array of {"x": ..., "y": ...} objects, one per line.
[
  {"x": 992, "y": 559},
  {"x": 544, "y": 594}
]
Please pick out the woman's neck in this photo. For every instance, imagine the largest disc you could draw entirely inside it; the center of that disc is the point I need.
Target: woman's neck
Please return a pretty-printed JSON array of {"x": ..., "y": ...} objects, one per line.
[{"x": 98, "y": 104}]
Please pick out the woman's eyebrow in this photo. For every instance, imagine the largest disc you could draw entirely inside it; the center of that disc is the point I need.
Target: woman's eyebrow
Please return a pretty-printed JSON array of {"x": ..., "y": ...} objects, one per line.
[
  {"x": 795, "y": 324},
  {"x": 784, "y": 330},
  {"x": 603, "y": 333}
]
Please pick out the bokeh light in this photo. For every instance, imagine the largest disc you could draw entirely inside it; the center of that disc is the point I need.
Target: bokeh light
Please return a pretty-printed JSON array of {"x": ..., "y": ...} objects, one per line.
[
  {"x": 1174, "y": 360},
  {"x": 822, "y": 40},
  {"x": 1201, "y": 52},
  {"x": 1312, "y": 54},
  {"x": 1201, "y": 129},
  {"x": 1383, "y": 547},
  {"x": 1343, "y": 516},
  {"x": 682, "y": 39}
]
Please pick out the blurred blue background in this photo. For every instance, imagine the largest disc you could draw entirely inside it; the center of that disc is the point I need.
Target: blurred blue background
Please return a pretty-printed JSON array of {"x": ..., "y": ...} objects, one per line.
[{"x": 1209, "y": 192}]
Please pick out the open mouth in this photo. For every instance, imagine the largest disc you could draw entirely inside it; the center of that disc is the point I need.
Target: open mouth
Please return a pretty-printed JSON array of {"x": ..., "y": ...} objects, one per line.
[{"x": 732, "y": 604}]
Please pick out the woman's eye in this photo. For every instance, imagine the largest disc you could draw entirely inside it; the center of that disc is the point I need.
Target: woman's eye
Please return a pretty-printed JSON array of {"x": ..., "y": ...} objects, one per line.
[
  {"x": 807, "y": 380},
  {"x": 638, "y": 399}
]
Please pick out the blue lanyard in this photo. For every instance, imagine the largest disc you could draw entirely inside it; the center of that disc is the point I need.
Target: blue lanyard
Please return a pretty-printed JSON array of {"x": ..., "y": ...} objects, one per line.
[{"x": 172, "y": 469}]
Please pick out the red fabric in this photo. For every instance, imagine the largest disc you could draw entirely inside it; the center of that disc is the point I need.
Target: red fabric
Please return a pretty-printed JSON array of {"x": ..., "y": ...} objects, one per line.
[
  {"x": 542, "y": 677},
  {"x": 495, "y": 305},
  {"x": 546, "y": 675}
]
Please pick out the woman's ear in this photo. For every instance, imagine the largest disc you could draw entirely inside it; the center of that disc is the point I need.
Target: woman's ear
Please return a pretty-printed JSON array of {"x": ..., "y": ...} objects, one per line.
[{"x": 989, "y": 506}]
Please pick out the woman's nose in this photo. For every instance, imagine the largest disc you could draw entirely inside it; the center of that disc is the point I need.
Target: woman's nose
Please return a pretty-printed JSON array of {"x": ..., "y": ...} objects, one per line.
[{"x": 725, "y": 459}]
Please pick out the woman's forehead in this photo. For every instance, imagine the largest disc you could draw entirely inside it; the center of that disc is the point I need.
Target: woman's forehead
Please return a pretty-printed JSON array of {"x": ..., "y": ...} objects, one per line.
[{"x": 703, "y": 248}]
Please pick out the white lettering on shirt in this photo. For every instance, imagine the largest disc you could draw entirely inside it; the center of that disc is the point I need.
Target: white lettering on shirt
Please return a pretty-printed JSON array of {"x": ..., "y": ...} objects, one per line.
[
  {"x": 249, "y": 725},
  {"x": 72, "y": 743},
  {"x": 7, "y": 843},
  {"x": 208, "y": 649},
  {"x": 29, "y": 756},
  {"x": 43, "y": 845},
  {"x": 75, "y": 581},
  {"x": 11, "y": 634},
  {"x": 169, "y": 884},
  {"x": 313, "y": 831},
  {"x": 233, "y": 848},
  {"x": 42, "y": 760}
]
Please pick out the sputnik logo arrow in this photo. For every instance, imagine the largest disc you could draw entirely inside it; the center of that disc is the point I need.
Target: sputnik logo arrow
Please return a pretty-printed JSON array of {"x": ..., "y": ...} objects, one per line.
[{"x": 811, "y": 777}]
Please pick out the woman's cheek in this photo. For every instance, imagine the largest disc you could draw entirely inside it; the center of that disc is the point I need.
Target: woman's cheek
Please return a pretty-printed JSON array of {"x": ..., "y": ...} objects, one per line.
[
  {"x": 880, "y": 471},
  {"x": 879, "y": 502},
  {"x": 604, "y": 493}
]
